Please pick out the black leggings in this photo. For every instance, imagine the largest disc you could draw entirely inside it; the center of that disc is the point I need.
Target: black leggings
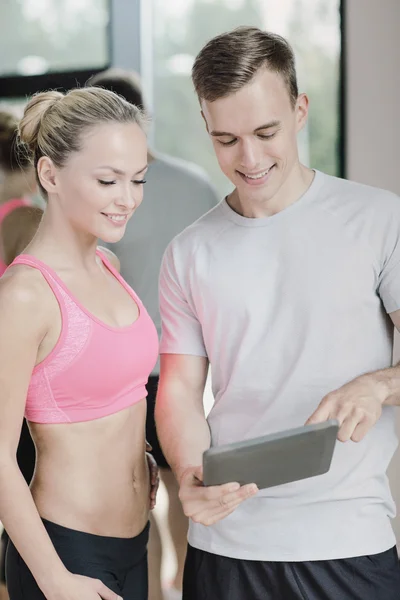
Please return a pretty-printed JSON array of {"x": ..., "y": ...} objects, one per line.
[
  {"x": 212, "y": 577},
  {"x": 120, "y": 563}
]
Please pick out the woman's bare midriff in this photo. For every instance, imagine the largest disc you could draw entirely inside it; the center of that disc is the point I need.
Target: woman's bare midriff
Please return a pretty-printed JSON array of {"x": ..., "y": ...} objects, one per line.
[{"x": 93, "y": 476}]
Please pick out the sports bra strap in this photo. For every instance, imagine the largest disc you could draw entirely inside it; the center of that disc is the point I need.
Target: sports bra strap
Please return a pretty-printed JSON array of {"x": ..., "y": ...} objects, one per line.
[
  {"x": 108, "y": 264},
  {"x": 31, "y": 261}
]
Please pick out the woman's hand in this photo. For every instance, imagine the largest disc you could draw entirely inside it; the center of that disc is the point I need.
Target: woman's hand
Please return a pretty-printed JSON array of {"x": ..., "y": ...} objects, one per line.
[
  {"x": 154, "y": 475},
  {"x": 79, "y": 587}
]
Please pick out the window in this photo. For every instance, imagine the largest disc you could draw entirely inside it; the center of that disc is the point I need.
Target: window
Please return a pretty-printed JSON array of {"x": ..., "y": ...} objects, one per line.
[
  {"x": 40, "y": 36},
  {"x": 182, "y": 27},
  {"x": 51, "y": 44}
]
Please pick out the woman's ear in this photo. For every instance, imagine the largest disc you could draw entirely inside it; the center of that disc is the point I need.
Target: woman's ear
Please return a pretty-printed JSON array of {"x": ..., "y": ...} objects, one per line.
[{"x": 46, "y": 171}]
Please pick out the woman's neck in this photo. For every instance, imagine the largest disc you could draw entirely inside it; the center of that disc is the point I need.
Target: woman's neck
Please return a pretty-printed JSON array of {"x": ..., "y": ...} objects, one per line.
[{"x": 59, "y": 244}]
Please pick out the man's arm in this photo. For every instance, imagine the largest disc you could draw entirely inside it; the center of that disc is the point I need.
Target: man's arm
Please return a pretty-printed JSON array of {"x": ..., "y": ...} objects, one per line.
[
  {"x": 390, "y": 378},
  {"x": 181, "y": 424},
  {"x": 184, "y": 435},
  {"x": 358, "y": 404}
]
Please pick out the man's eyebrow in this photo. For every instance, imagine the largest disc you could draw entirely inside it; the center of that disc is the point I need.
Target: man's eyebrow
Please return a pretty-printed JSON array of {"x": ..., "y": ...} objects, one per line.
[{"x": 266, "y": 126}]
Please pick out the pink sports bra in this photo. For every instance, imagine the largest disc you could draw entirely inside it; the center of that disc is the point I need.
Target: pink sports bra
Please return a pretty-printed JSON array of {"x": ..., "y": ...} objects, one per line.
[
  {"x": 95, "y": 369},
  {"x": 5, "y": 210}
]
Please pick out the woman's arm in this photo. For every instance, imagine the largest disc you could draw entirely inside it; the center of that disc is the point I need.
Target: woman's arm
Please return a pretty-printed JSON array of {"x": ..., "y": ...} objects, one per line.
[
  {"x": 23, "y": 325},
  {"x": 24, "y": 322}
]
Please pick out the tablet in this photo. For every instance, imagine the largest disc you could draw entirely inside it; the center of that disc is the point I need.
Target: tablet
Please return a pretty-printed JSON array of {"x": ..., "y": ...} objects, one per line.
[{"x": 273, "y": 459}]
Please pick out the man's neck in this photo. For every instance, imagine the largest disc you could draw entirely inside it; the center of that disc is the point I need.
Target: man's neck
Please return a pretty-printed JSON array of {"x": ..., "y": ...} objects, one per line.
[{"x": 293, "y": 188}]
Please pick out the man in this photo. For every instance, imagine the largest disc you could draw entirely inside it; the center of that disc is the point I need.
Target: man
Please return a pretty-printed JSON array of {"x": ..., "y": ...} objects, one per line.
[
  {"x": 176, "y": 194},
  {"x": 289, "y": 289}
]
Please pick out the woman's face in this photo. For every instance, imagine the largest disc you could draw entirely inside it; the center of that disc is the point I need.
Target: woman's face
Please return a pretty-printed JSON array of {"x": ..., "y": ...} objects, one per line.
[{"x": 100, "y": 187}]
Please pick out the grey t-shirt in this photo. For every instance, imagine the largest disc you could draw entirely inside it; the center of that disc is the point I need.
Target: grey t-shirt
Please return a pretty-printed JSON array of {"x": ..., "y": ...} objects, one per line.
[
  {"x": 288, "y": 308},
  {"x": 175, "y": 195}
]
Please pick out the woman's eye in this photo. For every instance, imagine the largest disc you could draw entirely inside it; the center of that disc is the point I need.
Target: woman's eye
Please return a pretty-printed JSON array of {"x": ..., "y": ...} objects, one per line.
[
  {"x": 139, "y": 181},
  {"x": 106, "y": 182}
]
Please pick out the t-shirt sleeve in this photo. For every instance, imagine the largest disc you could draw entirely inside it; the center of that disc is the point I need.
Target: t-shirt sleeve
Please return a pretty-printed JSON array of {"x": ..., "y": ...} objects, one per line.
[
  {"x": 181, "y": 329},
  {"x": 389, "y": 277}
]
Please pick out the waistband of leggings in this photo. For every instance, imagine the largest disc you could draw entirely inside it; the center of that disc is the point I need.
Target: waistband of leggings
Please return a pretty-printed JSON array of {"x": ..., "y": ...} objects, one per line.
[{"x": 104, "y": 545}]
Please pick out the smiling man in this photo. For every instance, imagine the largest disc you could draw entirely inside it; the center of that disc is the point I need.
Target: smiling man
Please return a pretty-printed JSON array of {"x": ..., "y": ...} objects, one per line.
[{"x": 290, "y": 290}]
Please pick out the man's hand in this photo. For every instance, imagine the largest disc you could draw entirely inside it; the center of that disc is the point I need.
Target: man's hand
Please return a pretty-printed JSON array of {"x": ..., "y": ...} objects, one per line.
[
  {"x": 357, "y": 406},
  {"x": 207, "y": 505}
]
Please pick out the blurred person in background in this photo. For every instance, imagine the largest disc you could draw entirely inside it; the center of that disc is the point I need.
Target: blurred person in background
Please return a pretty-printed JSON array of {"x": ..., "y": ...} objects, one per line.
[
  {"x": 177, "y": 194},
  {"x": 18, "y": 224},
  {"x": 17, "y": 177}
]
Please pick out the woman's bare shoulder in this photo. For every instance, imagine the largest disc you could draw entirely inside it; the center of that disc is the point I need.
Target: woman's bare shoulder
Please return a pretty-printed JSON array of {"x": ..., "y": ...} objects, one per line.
[{"x": 24, "y": 295}]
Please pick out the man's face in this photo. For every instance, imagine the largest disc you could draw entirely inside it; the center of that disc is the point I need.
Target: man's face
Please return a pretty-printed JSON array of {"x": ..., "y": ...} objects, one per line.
[{"x": 254, "y": 133}]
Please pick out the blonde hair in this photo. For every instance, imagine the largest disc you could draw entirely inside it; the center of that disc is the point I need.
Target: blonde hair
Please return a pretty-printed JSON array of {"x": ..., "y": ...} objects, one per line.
[{"x": 53, "y": 123}]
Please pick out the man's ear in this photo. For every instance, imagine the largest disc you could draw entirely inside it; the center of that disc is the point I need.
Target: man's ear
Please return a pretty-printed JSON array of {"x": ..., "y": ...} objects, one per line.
[{"x": 301, "y": 111}]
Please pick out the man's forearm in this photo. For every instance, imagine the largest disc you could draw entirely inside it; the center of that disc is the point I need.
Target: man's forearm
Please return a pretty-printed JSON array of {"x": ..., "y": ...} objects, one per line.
[
  {"x": 387, "y": 383},
  {"x": 183, "y": 433}
]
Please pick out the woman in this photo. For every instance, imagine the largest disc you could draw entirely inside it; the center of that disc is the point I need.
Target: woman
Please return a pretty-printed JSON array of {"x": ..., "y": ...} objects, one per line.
[{"x": 78, "y": 369}]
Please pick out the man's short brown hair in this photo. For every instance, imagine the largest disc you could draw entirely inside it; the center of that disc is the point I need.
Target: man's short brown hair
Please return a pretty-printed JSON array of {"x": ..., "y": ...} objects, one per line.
[{"x": 230, "y": 61}]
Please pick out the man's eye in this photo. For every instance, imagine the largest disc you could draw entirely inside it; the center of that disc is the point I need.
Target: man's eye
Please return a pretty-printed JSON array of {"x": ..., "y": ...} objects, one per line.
[
  {"x": 266, "y": 137},
  {"x": 230, "y": 143}
]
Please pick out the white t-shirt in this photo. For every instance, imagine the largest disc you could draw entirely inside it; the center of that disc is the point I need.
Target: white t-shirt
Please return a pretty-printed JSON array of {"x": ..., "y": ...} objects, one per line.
[
  {"x": 175, "y": 195},
  {"x": 288, "y": 308}
]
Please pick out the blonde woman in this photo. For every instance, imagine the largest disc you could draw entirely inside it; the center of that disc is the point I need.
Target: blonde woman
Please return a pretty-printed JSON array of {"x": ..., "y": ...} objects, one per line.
[{"x": 76, "y": 349}]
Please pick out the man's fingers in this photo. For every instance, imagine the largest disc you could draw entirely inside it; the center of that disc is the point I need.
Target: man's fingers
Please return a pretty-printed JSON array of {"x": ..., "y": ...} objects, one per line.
[
  {"x": 211, "y": 519},
  {"x": 224, "y": 502},
  {"x": 322, "y": 414},
  {"x": 232, "y": 500},
  {"x": 361, "y": 430},
  {"x": 225, "y": 506},
  {"x": 214, "y": 492},
  {"x": 246, "y": 491},
  {"x": 349, "y": 425}
]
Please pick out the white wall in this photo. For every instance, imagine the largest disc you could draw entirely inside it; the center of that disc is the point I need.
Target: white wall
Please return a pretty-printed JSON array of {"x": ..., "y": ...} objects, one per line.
[{"x": 373, "y": 117}]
